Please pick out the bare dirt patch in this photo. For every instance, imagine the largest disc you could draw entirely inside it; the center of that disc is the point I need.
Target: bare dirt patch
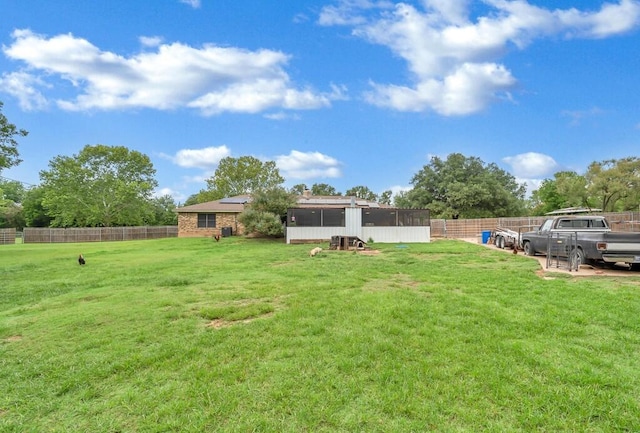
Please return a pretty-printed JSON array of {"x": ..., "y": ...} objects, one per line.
[
  {"x": 369, "y": 252},
  {"x": 224, "y": 323},
  {"x": 13, "y": 338}
]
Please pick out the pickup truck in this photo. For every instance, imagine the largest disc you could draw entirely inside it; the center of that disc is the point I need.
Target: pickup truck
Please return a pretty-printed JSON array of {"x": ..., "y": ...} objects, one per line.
[{"x": 592, "y": 241}]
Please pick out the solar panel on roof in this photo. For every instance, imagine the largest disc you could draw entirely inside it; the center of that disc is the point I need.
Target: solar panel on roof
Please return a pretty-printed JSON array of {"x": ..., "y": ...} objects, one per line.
[{"x": 234, "y": 200}]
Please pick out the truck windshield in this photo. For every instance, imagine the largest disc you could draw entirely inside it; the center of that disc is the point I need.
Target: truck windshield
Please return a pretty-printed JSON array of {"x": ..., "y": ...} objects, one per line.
[{"x": 546, "y": 226}]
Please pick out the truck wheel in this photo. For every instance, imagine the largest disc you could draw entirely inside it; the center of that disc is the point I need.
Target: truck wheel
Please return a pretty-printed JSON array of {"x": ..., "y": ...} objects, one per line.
[
  {"x": 528, "y": 250},
  {"x": 500, "y": 242},
  {"x": 577, "y": 256}
]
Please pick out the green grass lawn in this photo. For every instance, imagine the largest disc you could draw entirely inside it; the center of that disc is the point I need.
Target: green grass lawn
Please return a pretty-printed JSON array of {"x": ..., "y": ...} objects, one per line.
[{"x": 248, "y": 335}]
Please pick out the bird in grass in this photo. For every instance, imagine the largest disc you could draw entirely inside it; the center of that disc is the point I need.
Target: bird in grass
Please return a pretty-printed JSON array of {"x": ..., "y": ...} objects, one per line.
[{"x": 81, "y": 260}]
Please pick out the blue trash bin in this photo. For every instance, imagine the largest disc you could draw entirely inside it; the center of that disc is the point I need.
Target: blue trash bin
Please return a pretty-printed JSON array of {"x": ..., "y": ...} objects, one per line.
[{"x": 485, "y": 236}]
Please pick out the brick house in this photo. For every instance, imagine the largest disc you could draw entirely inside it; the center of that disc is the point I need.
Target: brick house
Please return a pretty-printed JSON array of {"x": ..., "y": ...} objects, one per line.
[
  {"x": 213, "y": 217},
  {"x": 314, "y": 219}
]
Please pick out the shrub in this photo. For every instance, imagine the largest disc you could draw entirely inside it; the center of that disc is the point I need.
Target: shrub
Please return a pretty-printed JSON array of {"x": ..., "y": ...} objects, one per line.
[{"x": 263, "y": 223}]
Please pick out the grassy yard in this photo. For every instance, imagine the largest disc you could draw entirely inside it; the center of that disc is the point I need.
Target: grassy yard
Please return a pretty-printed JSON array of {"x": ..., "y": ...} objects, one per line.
[{"x": 244, "y": 335}]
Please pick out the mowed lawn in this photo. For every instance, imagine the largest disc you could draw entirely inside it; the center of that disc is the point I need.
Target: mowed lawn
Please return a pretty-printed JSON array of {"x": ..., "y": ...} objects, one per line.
[{"x": 250, "y": 335}]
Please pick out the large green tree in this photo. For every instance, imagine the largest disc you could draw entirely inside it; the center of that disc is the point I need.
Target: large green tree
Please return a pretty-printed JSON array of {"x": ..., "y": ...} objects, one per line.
[
  {"x": 101, "y": 186},
  {"x": 402, "y": 200},
  {"x": 243, "y": 175},
  {"x": 567, "y": 189},
  {"x": 613, "y": 184},
  {"x": 323, "y": 189},
  {"x": 298, "y": 189},
  {"x": 35, "y": 214},
  {"x": 546, "y": 198},
  {"x": 385, "y": 197},
  {"x": 467, "y": 187},
  {"x": 164, "y": 211},
  {"x": 11, "y": 196},
  {"x": 362, "y": 192},
  {"x": 9, "y": 155},
  {"x": 11, "y": 215},
  {"x": 573, "y": 188},
  {"x": 12, "y": 190}
]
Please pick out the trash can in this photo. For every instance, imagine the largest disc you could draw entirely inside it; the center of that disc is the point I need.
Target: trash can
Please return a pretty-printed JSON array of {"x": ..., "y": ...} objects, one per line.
[
  {"x": 486, "y": 234},
  {"x": 227, "y": 231}
]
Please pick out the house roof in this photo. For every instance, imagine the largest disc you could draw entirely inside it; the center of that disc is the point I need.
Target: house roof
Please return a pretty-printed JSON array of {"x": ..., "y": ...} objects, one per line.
[
  {"x": 236, "y": 204},
  {"x": 228, "y": 204},
  {"x": 336, "y": 201}
]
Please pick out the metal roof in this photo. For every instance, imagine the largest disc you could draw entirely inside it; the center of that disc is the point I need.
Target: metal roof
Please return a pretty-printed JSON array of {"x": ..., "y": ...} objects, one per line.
[{"x": 573, "y": 210}]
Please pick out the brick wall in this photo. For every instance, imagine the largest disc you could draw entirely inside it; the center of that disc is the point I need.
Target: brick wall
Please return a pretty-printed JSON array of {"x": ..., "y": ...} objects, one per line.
[{"x": 188, "y": 225}]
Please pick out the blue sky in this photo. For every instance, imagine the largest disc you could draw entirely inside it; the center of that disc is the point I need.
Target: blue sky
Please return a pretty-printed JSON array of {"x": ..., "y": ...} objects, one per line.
[{"x": 351, "y": 92}]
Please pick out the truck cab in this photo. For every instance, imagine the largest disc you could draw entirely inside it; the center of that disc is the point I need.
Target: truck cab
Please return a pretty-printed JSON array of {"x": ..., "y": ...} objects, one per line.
[{"x": 536, "y": 241}]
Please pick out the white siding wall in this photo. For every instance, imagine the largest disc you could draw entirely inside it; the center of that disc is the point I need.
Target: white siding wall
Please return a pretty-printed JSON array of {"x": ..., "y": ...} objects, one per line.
[
  {"x": 312, "y": 233},
  {"x": 378, "y": 234},
  {"x": 353, "y": 221},
  {"x": 396, "y": 234}
]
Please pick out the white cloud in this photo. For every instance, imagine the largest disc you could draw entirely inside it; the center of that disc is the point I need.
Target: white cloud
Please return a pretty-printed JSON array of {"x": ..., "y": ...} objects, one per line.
[
  {"x": 177, "y": 195},
  {"x": 161, "y": 192},
  {"x": 346, "y": 12},
  {"x": 398, "y": 189},
  {"x": 308, "y": 165},
  {"x": 206, "y": 158},
  {"x": 451, "y": 11},
  {"x": 24, "y": 87},
  {"x": 282, "y": 116},
  {"x": 258, "y": 95},
  {"x": 212, "y": 79},
  {"x": 150, "y": 41},
  {"x": 530, "y": 184},
  {"x": 611, "y": 19},
  {"x": 531, "y": 165},
  {"x": 464, "y": 91},
  {"x": 193, "y": 3},
  {"x": 454, "y": 60}
]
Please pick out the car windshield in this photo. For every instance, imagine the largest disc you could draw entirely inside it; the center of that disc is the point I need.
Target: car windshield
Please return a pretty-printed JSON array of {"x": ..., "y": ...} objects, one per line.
[{"x": 546, "y": 226}]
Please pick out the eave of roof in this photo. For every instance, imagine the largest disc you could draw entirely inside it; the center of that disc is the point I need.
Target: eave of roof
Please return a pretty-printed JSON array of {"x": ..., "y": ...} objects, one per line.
[
  {"x": 315, "y": 201},
  {"x": 336, "y": 201}
]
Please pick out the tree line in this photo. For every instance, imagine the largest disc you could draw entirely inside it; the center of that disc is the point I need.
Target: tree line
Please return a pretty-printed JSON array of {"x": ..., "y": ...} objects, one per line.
[{"x": 113, "y": 186}]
